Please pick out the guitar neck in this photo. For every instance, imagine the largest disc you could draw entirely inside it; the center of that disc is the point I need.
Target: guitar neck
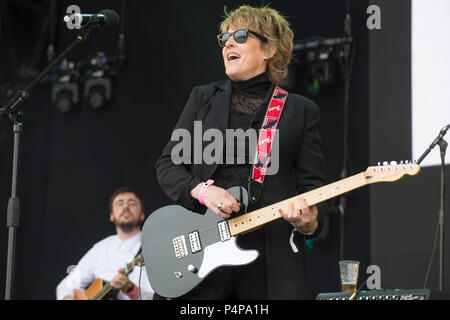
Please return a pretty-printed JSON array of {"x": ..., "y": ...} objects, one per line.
[
  {"x": 258, "y": 218},
  {"x": 103, "y": 292}
]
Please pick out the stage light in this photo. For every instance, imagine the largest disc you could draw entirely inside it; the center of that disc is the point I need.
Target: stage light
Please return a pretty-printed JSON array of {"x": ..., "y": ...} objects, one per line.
[
  {"x": 97, "y": 92},
  {"x": 65, "y": 96},
  {"x": 98, "y": 85},
  {"x": 321, "y": 75},
  {"x": 65, "y": 90},
  {"x": 316, "y": 60}
]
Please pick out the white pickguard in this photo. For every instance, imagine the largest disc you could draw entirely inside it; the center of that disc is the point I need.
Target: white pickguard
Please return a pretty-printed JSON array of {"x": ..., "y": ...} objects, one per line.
[{"x": 225, "y": 253}]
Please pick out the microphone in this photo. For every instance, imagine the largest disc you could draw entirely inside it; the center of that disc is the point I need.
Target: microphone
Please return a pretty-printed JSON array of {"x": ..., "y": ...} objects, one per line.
[{"x": 108, "y": 19}]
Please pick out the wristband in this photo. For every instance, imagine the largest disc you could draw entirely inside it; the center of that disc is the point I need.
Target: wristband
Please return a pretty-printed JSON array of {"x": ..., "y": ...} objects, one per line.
[
  {"x": 133, "y": 292},
  {"x": 201, "y": 195}
]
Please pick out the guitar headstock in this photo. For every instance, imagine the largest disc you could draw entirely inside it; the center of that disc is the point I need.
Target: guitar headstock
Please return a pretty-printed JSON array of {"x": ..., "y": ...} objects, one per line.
[
  {"x": 137, "y": 261},
  {"x": 391, "y": 171}
]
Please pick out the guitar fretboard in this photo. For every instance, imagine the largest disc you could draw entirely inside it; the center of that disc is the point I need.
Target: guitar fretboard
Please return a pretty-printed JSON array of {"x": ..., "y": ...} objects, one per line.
[{"x": 258, "y": 218}]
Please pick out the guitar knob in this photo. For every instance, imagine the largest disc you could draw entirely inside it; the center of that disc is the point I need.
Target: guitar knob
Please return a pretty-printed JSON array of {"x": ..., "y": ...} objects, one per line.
[
  {"x": 192, "y": 269},
  {"x": 393, "y": 163}
]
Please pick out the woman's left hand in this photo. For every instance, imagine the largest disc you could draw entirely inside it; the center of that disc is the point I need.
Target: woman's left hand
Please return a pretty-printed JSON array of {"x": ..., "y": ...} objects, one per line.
[{"x": 304, "y": 220}]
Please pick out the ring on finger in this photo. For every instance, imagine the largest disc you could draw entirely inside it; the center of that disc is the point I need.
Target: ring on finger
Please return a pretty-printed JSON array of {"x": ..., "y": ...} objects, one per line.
[{"x": 220, "y": 206}]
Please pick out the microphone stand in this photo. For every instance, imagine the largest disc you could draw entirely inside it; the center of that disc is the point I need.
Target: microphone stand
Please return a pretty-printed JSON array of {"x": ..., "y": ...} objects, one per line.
[
  {"x": 347, "y": 66},
  {"x": 12, "y": 110},
  {"x": 441, "y": 217}
]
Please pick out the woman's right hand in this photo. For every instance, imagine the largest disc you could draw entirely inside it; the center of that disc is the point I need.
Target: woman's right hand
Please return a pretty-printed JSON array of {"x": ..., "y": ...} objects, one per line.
[{"x": 218, "y": 200}]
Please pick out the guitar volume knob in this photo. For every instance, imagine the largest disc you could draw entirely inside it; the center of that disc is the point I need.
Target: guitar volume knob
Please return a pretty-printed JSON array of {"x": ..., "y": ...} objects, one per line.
[{"x": 192, "y": 269}]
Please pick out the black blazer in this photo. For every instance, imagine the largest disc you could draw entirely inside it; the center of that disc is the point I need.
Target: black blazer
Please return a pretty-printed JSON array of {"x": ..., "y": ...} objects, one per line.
[{"x": 301, "y": 168}]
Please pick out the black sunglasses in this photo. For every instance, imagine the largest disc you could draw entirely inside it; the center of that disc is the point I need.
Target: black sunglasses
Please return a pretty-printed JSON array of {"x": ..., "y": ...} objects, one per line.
[{"x": 240, "y": 36}]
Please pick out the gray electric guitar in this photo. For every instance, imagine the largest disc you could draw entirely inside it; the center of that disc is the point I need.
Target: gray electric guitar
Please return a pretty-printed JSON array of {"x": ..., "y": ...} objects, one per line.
[{"x": 181, "y": 248}]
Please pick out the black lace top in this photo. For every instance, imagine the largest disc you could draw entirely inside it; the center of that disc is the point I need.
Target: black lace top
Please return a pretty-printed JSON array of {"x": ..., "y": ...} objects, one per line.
[{"x": 247, "y": 97}]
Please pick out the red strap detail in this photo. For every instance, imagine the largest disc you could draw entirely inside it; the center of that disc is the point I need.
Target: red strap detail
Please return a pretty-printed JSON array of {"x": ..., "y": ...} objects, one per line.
[{"x": 267, "y": 134}]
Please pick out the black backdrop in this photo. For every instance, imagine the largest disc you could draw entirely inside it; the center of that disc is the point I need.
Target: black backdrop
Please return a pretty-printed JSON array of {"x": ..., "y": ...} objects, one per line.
[{"x": 70, "y": 164}]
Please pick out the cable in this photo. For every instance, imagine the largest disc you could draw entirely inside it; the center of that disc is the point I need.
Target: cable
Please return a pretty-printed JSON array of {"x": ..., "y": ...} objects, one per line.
[
  {"x": 121, "y": 42},
  {"x": 52, "y": 31},
  {"x": 122, "y": 16},
  {"x": 140, "y": 291},
  {"x": 355, "y": 294}
]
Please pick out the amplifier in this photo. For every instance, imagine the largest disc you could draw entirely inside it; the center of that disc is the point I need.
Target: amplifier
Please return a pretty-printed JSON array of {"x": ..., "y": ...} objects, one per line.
[{"x": 396, "y": 294}]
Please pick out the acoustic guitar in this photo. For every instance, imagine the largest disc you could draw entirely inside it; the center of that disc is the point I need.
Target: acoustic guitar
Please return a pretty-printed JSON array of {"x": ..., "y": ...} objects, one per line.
[
  {"x": 100, "y": 289},
  {"x": 181, "y": 248}
]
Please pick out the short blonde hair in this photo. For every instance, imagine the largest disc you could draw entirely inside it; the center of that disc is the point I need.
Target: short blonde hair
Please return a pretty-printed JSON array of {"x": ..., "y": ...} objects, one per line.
[{"x": 271, "y": 24}]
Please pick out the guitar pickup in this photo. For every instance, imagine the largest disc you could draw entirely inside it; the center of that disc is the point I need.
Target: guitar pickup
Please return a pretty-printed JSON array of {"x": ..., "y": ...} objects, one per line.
[
  {"x": 224, "y": 232},
  {"x": 194, "y": 240},
  {"x": 179, "y": 245}
]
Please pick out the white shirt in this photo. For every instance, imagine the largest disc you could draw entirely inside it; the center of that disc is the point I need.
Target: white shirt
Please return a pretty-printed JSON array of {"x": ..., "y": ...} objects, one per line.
[{"x": 103, "y": 261}]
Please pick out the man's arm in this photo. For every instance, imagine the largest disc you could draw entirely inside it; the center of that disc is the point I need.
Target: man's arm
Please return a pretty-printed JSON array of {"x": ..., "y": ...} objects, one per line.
[{"x": 80, "y": 277}]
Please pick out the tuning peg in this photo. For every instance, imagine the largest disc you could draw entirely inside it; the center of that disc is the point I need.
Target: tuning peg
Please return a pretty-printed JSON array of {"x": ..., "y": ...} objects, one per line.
[
  {"x": 385, "y": 163},
  {"x": 393, "y": 163},
  {"x": 401, "y": 162},
  {"x": 379, "y": 163}
]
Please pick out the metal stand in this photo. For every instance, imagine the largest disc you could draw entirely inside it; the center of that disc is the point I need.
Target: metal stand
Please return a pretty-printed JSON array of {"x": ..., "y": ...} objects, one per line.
[
  {"x": 13, "y": 210},
  {"x": 12, "y": 111},
  {"x": 441, "y": 222},
  {"x": 443, "y": 147},
  {"x": 347, "y": 68}
]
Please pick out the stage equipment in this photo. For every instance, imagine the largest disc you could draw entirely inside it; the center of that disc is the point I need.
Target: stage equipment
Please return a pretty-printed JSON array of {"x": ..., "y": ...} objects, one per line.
[
  {"x": 318, "y": 58},
  {"x": 107, "y": 19},
  {"x": 396, "y": 294},
  {"x": 65, "y": 88},
  {"x": 98, "y": 85},
  {"x": 12, "y": 110},
  {"x": 441, "y": 216}
]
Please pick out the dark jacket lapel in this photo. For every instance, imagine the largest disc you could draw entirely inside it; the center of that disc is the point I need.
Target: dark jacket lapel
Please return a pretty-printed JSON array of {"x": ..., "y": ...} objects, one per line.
[{"x": 220, "y": 103}]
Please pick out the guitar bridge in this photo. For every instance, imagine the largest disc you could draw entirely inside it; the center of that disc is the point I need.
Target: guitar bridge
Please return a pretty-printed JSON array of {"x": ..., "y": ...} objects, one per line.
[{"x": 179, "y": 245}]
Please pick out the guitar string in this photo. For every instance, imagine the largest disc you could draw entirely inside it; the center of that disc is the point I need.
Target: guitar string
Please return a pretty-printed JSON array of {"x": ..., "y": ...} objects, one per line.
[
  {"x": 266, "y": 213},
  {"x": 315, "y": 196},
  {"x": 241, "y": 224}
]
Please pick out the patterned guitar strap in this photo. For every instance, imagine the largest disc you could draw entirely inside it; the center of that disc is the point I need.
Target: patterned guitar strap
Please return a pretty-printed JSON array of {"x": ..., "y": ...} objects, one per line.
[{"x": 264, "y": 148}]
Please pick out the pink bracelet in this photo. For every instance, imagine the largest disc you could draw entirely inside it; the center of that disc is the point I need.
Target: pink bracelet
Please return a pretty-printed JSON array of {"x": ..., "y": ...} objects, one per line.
[
  {"x": 201, "y": 195},
  {"x": 132, "y": 292}
]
